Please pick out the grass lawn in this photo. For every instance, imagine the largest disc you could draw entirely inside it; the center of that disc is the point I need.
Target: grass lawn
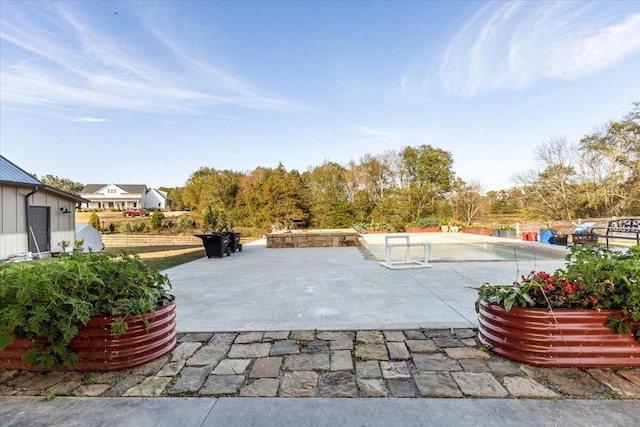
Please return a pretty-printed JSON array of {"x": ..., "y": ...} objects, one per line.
[{"x": 163, "y": 257}]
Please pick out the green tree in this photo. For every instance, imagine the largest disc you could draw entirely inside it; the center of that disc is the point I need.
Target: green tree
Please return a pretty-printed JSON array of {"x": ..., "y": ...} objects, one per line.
[
  {"x": 327, "y": 196},
  {"x": 208, "y": 186},
  {"x": 250, "y": 202},
  {"x": 63, "y": 184},
  {"x": 427, "y": 177},
  {"x": 210, "y": 219},
  {"x": 371, "y": 187},
  {"x": 282, "y": 199},
  {"x": 175, "y": 198}
]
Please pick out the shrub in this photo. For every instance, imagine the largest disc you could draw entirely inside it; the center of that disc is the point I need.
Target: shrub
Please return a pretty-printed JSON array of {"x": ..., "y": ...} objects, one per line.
[
  {"x": 156, "y": 220},
  {"x": 125, "y": 227},
  {"x": 185, "y": 221}
]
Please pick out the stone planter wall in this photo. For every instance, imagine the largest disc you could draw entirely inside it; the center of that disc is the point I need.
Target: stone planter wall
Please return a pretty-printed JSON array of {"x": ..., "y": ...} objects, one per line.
[
  {"x": 312, "y": 239},
  {"x": 98, "y": 350},
  {"x": 562, "y": 338}
]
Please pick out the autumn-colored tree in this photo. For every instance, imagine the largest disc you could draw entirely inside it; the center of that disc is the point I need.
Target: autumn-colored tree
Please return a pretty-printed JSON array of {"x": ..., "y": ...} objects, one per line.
[
  {"x": 94, "y": 221},
  {"x": 467, "y": 201},
  {"x": 550, "y": 192}
]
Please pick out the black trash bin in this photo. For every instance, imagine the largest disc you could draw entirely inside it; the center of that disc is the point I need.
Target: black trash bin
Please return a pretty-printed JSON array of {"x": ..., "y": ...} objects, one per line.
[
  {"x": 234, "y": 241},
  {"x": 215, "y": 245},
  {"x": 560, "y": 239}
]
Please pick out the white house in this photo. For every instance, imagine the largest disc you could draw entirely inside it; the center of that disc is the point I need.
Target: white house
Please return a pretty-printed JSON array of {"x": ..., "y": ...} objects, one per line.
[
  {"x": 33, "y": 216},
  {"x": 155, "y": 199},
  {"x": 123, "y": 196}
]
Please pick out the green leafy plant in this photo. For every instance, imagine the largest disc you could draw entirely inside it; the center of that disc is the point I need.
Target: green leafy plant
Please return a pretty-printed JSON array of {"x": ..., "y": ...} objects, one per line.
[
  {"x": 476, "y": 225},
  {"x": 594, "y": 277},
  {"x": 372, "y": 226},
  {"x": 78, "y": 243},
  {"x": 50, "y": 301},
  {"x": 504, "y": 227}
]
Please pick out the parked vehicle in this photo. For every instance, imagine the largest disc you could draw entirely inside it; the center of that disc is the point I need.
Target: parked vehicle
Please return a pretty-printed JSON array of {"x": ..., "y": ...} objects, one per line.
[{"x": 136, "y": 212}]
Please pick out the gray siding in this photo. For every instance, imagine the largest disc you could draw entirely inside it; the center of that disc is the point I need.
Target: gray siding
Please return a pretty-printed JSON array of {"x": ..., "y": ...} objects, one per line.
[{"x": 13, "y": 218}]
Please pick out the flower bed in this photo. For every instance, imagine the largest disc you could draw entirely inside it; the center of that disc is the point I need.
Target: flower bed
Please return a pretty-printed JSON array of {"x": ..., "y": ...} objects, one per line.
[{"x": 587, "y": 314}]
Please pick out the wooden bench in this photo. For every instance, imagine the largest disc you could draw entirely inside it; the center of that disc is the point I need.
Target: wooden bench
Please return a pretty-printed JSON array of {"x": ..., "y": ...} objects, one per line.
[
  {"x": 407, "y": 262},
  {"x": 623, "y": 228}
]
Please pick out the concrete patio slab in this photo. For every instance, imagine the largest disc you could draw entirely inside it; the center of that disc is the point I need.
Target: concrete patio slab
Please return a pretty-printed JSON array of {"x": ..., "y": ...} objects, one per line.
[{"x": 330, "y": 289}]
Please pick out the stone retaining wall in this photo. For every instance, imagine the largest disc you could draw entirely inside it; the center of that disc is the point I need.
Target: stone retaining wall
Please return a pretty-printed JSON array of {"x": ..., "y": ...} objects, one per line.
[{"x": 312, "y": 239}]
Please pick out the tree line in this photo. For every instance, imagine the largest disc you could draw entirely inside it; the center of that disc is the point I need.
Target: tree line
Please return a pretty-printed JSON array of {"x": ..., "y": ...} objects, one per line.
[{"x": 598, "y": 176}]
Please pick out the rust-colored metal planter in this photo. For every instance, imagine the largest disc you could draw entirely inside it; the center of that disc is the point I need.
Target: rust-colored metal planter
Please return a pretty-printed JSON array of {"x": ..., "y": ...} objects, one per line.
[
  {"x": 562, "y": 338},
  {"x": 423, "y": 229},
  {"x": 479, "y": 231},
  {"x": 98, "y": 350}
]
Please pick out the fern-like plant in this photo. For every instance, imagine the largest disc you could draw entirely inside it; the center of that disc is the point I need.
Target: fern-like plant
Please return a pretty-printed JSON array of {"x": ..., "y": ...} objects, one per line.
[{"x": 50, "y": 301}]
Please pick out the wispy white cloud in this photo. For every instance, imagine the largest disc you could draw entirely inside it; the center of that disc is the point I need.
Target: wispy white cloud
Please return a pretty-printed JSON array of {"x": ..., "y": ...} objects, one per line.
[
  {"x": 380, "y": 140},
  {"x": 378, "y": 133},
  {"x": 90, "y": 120},
  {"x": 57, "y": 57},
  {"x": 511, "y": 46}
]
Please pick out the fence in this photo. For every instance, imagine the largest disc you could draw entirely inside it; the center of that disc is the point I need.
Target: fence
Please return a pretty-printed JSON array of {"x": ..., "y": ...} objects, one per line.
[{"x": 124, "y": 240}]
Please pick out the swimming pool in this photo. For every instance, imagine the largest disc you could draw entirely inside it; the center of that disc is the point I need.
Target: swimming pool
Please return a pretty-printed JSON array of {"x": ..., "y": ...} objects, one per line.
[
  {"x": 456, "y": 251},
  {"x": 496, "y": 252}
]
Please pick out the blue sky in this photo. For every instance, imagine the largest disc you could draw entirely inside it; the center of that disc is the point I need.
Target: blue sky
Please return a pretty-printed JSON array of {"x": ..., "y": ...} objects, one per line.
[{"x": 148, "y": 92}]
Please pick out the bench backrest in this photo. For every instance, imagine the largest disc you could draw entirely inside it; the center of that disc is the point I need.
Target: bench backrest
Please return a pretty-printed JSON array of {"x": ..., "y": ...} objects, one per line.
[{"x": 624, "y": 225}]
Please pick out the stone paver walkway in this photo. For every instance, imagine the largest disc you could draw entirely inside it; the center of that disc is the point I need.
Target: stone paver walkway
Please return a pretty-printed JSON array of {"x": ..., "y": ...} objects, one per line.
[{"x": 334, "y": 364}]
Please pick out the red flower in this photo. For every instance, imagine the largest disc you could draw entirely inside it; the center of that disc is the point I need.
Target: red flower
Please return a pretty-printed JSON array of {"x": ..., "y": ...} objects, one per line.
[{"x": 593, "y": 299}]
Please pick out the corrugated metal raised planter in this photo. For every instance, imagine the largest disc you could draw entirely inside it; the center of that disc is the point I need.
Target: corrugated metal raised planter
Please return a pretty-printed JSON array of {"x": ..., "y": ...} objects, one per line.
[
  {"x": 98, "y": 350},
  {"x": 562, "y": 338}
]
